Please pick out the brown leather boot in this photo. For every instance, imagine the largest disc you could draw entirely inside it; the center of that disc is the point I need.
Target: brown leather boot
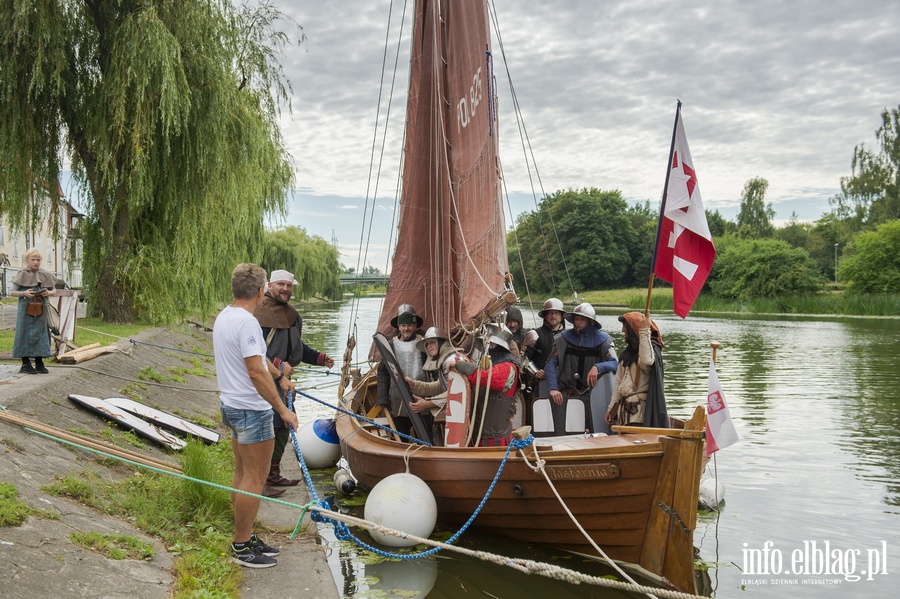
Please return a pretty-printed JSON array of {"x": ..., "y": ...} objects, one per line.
[
  {"x": 276, "y": 480},
  {"x": 272, "y": 491}
]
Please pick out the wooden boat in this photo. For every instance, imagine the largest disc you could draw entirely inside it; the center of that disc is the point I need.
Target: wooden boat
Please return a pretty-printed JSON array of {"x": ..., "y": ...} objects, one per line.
[{"x": 635, "y": 494}]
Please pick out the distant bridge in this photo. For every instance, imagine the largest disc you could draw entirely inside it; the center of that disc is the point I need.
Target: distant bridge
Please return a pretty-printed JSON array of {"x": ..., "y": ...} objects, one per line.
[{"x": 352, "y": 279}]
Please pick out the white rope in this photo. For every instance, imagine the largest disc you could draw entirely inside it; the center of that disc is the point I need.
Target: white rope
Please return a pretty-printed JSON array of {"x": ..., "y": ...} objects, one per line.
[
  {"x": 522, "y": 565},
  {"x": 539, "y": 468}
]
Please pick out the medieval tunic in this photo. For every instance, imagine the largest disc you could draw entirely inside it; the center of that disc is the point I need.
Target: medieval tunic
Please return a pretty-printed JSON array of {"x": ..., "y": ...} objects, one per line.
[
  {"x": 541, "y": 351},
  {"x": 434, "y": 387},
  {"x": 282, "y": 329},
  {"x": 590, "y": 348},
  {"x": 629, "y": 396},
  {"x": 501, "y": 400},
  {"x": 32, "y": 338}
]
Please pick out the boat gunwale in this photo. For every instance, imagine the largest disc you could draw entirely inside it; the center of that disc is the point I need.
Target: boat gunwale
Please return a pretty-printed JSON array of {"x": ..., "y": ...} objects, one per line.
[{"x": 651, "y": 447}]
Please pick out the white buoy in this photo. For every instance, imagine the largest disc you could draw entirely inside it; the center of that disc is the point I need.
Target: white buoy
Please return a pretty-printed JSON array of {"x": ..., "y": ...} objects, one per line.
[
  {"x": 712, "y": 493},
  {"x": 401, "y": 502},
  {"x": 319, "y": 443}
]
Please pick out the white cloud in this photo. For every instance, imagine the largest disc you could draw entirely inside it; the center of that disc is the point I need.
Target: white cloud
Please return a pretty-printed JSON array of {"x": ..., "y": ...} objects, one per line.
[{"x": 771, "y": 89}]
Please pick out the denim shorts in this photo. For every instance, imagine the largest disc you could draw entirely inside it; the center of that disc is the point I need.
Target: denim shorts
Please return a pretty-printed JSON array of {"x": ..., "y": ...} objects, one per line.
[{"x": 248, "y": 426}]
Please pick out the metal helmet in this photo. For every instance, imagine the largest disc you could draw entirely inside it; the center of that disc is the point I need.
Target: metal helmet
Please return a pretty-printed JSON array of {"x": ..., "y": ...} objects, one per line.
[
  {"x": 500, "y": 335},
  {"x": 551, "y": 305},
  {"x": 585, "y": 310},
  {"x": 403, "y": 310},
  {"x": 431, "y": 333}
]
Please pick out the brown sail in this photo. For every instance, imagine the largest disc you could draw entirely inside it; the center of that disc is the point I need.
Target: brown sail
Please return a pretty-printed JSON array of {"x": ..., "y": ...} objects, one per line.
[{"x": 450, "y": 258}]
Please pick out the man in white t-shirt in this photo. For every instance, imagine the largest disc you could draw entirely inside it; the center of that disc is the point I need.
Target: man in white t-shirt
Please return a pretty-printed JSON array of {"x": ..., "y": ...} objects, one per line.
[{"x": 248, "y": 397}]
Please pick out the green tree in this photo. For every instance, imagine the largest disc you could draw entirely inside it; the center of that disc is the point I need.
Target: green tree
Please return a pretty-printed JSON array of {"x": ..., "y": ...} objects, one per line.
[
  {"x": 818, "y": 239},
  {"x": 167, "y": 110},
  {"x": 794, "y": 233},
  {"x": 578, "y": 240},
  {"x": 718, "y": 224},
  {"x": 873, "y": 263},
  {"x": 748, "y": 268},
  {"x": 754, "y": 217},
  {"x": 871, "y": 195},
  {"x": 314, "y": 262}
]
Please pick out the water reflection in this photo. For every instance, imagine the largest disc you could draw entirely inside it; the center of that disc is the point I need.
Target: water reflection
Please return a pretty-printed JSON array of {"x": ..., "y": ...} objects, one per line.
[{"x": 816, "y": 404}]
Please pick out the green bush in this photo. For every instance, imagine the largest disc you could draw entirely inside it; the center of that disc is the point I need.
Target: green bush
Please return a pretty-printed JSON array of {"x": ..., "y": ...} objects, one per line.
[
  {"x": 873, "y": 265},
  {"x": 762, "y": 268}
]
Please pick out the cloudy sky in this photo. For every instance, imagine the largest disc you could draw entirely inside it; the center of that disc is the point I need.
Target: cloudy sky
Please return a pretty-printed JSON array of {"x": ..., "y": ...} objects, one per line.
[{"x": 773, "y": 89}]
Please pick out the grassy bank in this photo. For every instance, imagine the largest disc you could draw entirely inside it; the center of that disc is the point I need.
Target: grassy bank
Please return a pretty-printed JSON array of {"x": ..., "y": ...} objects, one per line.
[
  {"x": 191, "y": 519},
  {"x": 87, "y": 331}
]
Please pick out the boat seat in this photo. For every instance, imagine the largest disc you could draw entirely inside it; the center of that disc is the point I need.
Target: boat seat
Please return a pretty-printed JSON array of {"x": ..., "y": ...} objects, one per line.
[{"x": 384, "y": 420}]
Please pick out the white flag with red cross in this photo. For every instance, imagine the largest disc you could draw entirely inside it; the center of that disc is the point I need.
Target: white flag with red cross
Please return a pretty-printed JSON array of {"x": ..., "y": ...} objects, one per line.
[{"x": 685, "y": 252}]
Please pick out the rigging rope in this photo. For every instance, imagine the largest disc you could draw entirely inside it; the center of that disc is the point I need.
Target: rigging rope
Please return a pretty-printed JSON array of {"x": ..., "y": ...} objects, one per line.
[{"x": 528, "y": 150}]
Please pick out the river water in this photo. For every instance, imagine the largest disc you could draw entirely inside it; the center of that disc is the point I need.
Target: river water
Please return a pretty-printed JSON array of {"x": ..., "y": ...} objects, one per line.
[{"x": 812, "y": 498}]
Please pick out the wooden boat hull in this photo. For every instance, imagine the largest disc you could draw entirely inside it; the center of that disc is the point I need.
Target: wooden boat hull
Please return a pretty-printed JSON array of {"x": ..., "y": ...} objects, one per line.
[{"x": 635, "y": 494}]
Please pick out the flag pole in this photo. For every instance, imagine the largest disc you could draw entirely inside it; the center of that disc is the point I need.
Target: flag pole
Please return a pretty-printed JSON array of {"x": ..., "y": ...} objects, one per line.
[
  {"x": 662, "y": 207},
  {"x": 714, "y": 345}
]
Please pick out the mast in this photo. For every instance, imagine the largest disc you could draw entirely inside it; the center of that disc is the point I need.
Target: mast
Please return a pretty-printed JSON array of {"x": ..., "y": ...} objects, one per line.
[{"x": 450, "y": 258}]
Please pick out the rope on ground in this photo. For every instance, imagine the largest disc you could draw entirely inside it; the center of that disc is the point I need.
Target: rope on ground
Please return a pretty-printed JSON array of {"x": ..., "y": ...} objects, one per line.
[
  {"x": 522, "y": 565},
  {"x": 166, "y": 386},
  {"x": 134, "y": 380},
  {"x": 184, "y": 351},
  {"x": 78, "y": 326}
]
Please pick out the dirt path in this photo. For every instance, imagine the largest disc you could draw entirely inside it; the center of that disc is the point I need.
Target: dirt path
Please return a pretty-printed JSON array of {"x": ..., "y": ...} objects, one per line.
[{"x": 40, "y": 561}]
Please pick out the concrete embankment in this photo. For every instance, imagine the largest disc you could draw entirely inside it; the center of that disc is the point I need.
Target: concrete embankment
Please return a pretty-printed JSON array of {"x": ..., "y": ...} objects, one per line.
[{"x": 40, "y": 560}]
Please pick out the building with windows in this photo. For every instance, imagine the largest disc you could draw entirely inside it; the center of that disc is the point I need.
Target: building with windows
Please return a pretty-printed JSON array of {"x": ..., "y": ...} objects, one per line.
[{"x": 62, "y": 250}]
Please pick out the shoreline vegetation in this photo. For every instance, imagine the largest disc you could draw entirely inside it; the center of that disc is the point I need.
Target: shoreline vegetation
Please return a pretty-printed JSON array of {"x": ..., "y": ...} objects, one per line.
[
  {"x": 835, "y": 302},
  {"x": 831, "y": 303}
]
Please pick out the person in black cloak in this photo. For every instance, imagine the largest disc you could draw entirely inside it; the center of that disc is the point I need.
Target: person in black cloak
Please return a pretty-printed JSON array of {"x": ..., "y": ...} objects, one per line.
[{"x": 638, "y": 397}]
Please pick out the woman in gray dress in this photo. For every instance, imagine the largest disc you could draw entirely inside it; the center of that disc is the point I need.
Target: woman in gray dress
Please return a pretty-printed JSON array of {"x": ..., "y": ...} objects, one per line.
[{"x": 32, "y": 340}]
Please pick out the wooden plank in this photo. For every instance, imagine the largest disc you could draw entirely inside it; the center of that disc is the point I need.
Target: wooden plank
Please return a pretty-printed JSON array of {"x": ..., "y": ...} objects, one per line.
[
  {"x": 77, "y": 349},
  {"x": 680, "y": 557},
  {"x": 88, "y": 442},
  {"x": 656, "y": 538},
  {"x": 64, "y": 342},
  {"x": 81, "y": 356}
]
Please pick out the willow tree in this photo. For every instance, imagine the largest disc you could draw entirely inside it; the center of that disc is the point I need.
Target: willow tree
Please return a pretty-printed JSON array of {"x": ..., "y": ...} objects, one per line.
[
  {"x": 314, "y": 262},
  {"x": 167, "y": 112}
]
